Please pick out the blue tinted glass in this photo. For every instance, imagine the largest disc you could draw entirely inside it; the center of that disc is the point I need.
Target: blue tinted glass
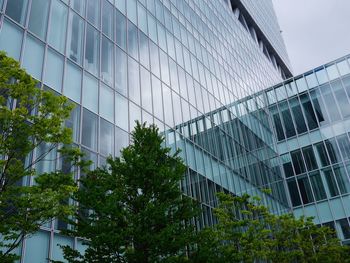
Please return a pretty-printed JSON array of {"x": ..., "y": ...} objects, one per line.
[
  {"x": 121, "y": 107},
  {"x": 33, "y": 48},
  {"x": 75, "y": 38},
  {"x": 38, "y": 17},
  {"x": 92, "y": 49},
  {"x": 89, "y": 130},
  {"x": 58, "y": 25},
  {"x": 107, "y": 61},
  {"x": 93, "y": 12},
  {"x": 90, "y": 93},
  {"x": 107, "y": 103},
  {"x": 72, "y": 82},
  {"x": 53, "y": 70},
  {"x": 121, "y": 71},
  {"x": 120, "y": 29},
  {"x": 106, "y": 138},
  {"x": 17, "y": 9},
  {"x": 11, "y": 39},
  {"x": 37, "y": 247}
]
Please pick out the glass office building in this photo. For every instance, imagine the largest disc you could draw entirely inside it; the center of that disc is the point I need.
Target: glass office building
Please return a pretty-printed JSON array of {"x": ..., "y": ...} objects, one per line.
[
  {"x": 186, "y": 65},
  {"x": 311, "y": 121}
]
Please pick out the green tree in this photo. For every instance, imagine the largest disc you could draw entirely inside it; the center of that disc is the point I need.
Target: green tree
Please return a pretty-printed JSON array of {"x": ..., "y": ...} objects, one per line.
[
  {"x": 247, "y": 232},
  {"x": 29, "y": 118},
  {"x": 134, "y": 211}
]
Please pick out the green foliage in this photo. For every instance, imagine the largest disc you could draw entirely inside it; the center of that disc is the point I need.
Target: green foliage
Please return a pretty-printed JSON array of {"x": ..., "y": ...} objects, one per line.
[
  {"x": 29, "y": 117},
  {"x": 134, "y": 211},
  {"x": 247, "y": 232}
]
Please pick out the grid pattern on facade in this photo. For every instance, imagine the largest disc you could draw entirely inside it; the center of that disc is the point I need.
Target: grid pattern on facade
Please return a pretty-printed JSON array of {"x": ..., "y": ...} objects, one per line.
[{"x": 162, "y": 61}]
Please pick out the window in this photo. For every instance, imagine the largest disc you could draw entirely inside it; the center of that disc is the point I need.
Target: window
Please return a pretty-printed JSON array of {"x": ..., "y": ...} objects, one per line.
[
  {"x": 157, "y": 98},
  {"x": 317, "y": 186},
  {"x": 132, "y": 41},
  {"x": 277, "y": 123},
  {"x": 121, "y": 140},
  {"x": 333, "y": 150},
  {"x": 309, "y": 112},
  {"x": 298, "y": 116},
  {"x": 38, "y": 17},
  {"x": 305, "y": 190},
  {"x": 294, "y": 193},
  {"x": 33, "y": 48},
  {"x": 319, "y": 107},
  {"x": 121, "y": 112},
  {"x": 332, "y": 72},
  {"x": 92, "y": 49},
  {"x": 341, "y": 98},
  {"x": 75, "y": 38},
  {"x": 17, "y": 9},
  {"x": 344, "y": 226},
  {"x": 11, "y": 39},
  {"x": 107, "y": 64},
  {"x": 342, "y": 180},
  {"x": 37, "y": 247},
  {"x": 106, "y": 138},
  {"x": 78, "y": 6},
  {"x": 89, "y": 130},
  {"x": 142, "y": 17},
  {"x": 121, "y": 71},
  {"x": 107, "y": 103},
  {"x": 131, "y": 11},
  {"x": 322, "y": 154},
  {"x": 343, "y": 67},
  {"x": 321, "y": 76},
  {"x": 72, "y": 82},
  {"x": 144, "y": 49},
  {"x": 120, "y": 30},
  {"x": 93, "y": 12},
  {"x": 90, "y": 93},
  {"x": 146, "y": 89},
  {"x": 58, "y": 241},
  {"x": 107, "y": 19},
  {"x": 287, "y": 165},
  {"x": 331, "y": 103},
  {"x": 58, "y": 25},
  {"x": 310, "y": 159},
  {"x": 73, "y": 122},
  {"x": 344, "y": 146},
  {"x": 168, "y": 109},
  {"x": 154, "y": 55},
  {"x": 298, "y": 162},
  {"x": 53, "y": 70},
  {"x": 134, "y": 80},
  {"x": 331, "y": 183},
  {"x": 164, "y": 65},
  {"x": 287, "y": 119}
]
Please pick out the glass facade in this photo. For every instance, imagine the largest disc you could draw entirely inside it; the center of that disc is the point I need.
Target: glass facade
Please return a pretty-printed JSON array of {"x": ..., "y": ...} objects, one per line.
[
  {"x": 310, "y": 115},
  {"x": 186, "y": 65}
]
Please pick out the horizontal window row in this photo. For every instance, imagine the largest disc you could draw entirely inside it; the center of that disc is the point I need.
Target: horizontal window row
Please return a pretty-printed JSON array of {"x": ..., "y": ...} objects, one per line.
[
  {"x": 319, "y": 185},
  {"x": 321, "y": 106}
]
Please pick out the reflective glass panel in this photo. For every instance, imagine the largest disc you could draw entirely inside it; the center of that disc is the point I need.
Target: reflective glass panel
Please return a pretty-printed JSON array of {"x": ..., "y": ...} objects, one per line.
[
  {"x": 107, "y": 19},
  {"x": 93, "y": 12},
  {"x": 33, "y": 49},
  {"x": 121, "y": 108},
  {"x": 121, "y": 71},
  {"x": 107, "y": 64},
  {"x": 107, "y": 103},
  {"x": 120, "y": 29},
  {"x": 17, "y": 9},
  {"x": 58, "y": 25},
  {"x": 53, "y": 70},
  {"x": 106, "y": 138},
  {"x": 75, "y": 38},
  {"x": 38, "y": 17},
  {"x": 72, "y": 82},
  {"x": 11, "y": 39},
  {"x": 89, "y": 130},
  {"x": 92, "y": 50},
  {"x": 90, "y": 93}
]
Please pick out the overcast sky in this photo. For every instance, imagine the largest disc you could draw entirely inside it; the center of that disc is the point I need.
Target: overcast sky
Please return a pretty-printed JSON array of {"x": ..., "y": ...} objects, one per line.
[{"x": 315, "y": 31}]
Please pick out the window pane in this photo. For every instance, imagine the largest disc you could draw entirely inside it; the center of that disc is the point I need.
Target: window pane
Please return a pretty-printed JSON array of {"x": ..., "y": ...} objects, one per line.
[
  {"x": 164, "y": 65},
  {"x": 332, "y": 185},
  {"x": 72, "y": 82},
  {"x": 294, "y": 194},
  {"x": 333, "y": 150},
  {"x": 121, "y": 71},
  {"x": 310, "y": 159},
  {"x": 38, "y": 17},
  {"x": 73, "y": 122},
  {"x": 321, "y": 76},
  {"x": 309, "y": 112},
  {"x": 11, "y": 39},
  {"x": 168, "y": 107},
  {"x": 54, "y": 70},
  {"x": 58, "y": 241},
  {"x": 298, "y": 162},
  {"x": 90, "y": 93},
  {"x": 146, "y": 89},
  {"x": 33, "y": 49},
  {"x": 342, "y": 179},
  {"x": 78, "y": 6},
  {"x": 107, "y": 103},
  {"x": 37, "y": 247},
  {"x": 330, "y": 102},
  {"x": 58, "y": 25},
  {"x": 322, "y": 154},
  {"x": 134, "y": 80},
  {"x": 332, "y": 72},
  {"x": 75, "y": 38},
  {"x": 17, "y": 9},
  {"x": 343, "y": 67},
  {"x": 317, "y": 186},
  {"x": 107, "y": 61},
  {"x": 120, "y": 29},
  {"x": 341, "y": 98},
  {"x": 121, "y": 140},
  {"x": 106, "y": 138},
  {"x": 344, "y": 146},
  {"x": 298, "y": 116},
  {"x": 89, "y": 130},
  {"x": 305, "y": 190},
  {"x": 157, "y": 98},
  {"x": 131, "y": 10},
  {"x": 121, "y": 110},
  {"x": 132, "y": 41},
  {"x": 287, "y": 119},
  {"x": 144, "y": 49},
  {"x": 107, "y": 19},
  {"x": 142, "y": 16},
  {"x": 135, "y": 115},
  {"x": 93, "y": 12},
  {"x": 92, "y": 48},
  {"x": 154, "y": 55}
]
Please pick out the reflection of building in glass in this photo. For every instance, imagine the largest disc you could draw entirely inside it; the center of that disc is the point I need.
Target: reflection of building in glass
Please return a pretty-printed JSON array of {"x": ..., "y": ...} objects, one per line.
[{"x": 197, "y": 69}]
